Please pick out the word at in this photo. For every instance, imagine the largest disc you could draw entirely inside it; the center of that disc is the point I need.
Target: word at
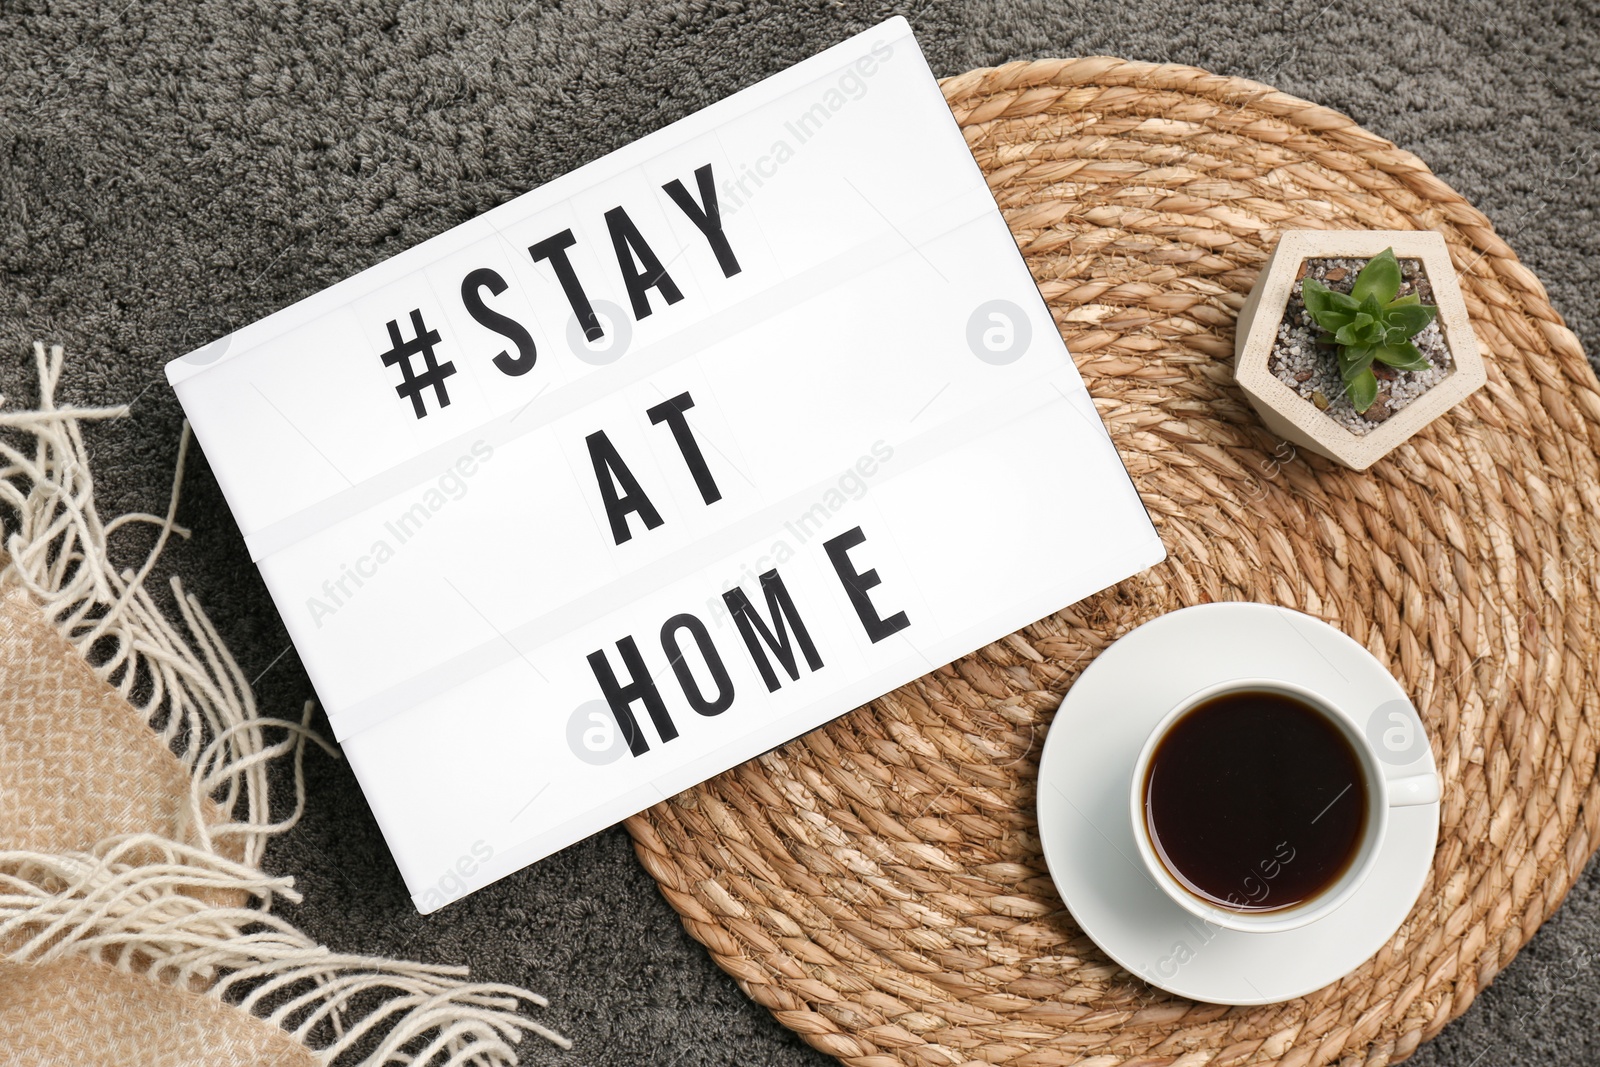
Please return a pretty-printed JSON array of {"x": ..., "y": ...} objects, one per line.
[{"x": 621, "y": 492}]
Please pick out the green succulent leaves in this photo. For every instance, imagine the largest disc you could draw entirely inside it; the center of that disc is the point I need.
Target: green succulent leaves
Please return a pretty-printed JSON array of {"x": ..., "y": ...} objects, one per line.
[{"x": 1369, "y": 325}]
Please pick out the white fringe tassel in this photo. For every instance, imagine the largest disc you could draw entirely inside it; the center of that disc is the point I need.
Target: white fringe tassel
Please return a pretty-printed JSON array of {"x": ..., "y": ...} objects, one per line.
[
  {"x": 143, "y": 903},
  {"x": 146, "y": 903}
]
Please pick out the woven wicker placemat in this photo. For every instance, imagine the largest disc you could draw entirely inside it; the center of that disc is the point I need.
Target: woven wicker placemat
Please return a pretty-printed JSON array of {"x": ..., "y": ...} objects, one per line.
[{"x": 878, "y": 883}]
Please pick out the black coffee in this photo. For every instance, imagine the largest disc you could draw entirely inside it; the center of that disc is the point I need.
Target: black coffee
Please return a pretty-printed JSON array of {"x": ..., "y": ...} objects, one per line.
[{"x": 1255, "y": 801}]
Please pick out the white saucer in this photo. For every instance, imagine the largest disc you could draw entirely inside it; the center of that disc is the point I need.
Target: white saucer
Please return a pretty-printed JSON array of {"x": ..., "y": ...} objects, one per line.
[{"x": 1085, "y": 827}]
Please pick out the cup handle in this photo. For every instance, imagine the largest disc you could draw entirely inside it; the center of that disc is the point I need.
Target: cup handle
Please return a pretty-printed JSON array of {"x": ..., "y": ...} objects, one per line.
[{"x": 1417, "y": 789}]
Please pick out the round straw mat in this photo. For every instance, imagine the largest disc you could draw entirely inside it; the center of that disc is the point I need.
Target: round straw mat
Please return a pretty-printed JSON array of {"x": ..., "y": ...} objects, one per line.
[{"x": 878, "y": 883}]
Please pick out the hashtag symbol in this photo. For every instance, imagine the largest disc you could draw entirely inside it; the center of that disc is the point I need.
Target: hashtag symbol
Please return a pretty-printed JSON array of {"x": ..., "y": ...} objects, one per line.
[{"x": 434, "y": 373}]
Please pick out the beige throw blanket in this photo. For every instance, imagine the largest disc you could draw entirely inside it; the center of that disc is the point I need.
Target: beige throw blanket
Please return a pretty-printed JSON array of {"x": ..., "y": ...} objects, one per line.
[{"x": 136, "y": 926}]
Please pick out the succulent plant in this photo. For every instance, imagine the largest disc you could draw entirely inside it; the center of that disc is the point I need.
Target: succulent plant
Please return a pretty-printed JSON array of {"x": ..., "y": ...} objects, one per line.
[{"x": 1370, "y": 324}]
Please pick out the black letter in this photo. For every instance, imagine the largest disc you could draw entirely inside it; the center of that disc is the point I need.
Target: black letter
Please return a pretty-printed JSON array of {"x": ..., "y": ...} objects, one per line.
[
  {"x": 639, "y": 687},
  {"x": 856, "y": 585},
  {"x": 671, "y": 412},
  {"x": 629, "y": 242},
  {"x": 608, "y": 471},
  {"x": 719, "y": 673},
  {"x": 527, "y": 354},
  {"x": 780, "y": 605},
  {"x": 555, "y": 250},
  {"x": 709, "y": 219}
]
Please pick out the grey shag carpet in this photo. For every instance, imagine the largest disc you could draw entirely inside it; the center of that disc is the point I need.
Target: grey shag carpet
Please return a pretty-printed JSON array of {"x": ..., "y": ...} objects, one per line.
[{"x": 171, "y": 171}]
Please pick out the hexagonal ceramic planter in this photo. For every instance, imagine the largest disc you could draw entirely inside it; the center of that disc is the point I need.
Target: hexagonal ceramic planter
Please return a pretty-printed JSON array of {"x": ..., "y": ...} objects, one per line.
[{"x": 1294, "y": 418}]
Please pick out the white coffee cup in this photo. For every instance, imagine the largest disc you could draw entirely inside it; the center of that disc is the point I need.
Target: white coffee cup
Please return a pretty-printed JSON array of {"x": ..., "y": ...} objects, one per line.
[{"x": 1382, "y": 794}]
